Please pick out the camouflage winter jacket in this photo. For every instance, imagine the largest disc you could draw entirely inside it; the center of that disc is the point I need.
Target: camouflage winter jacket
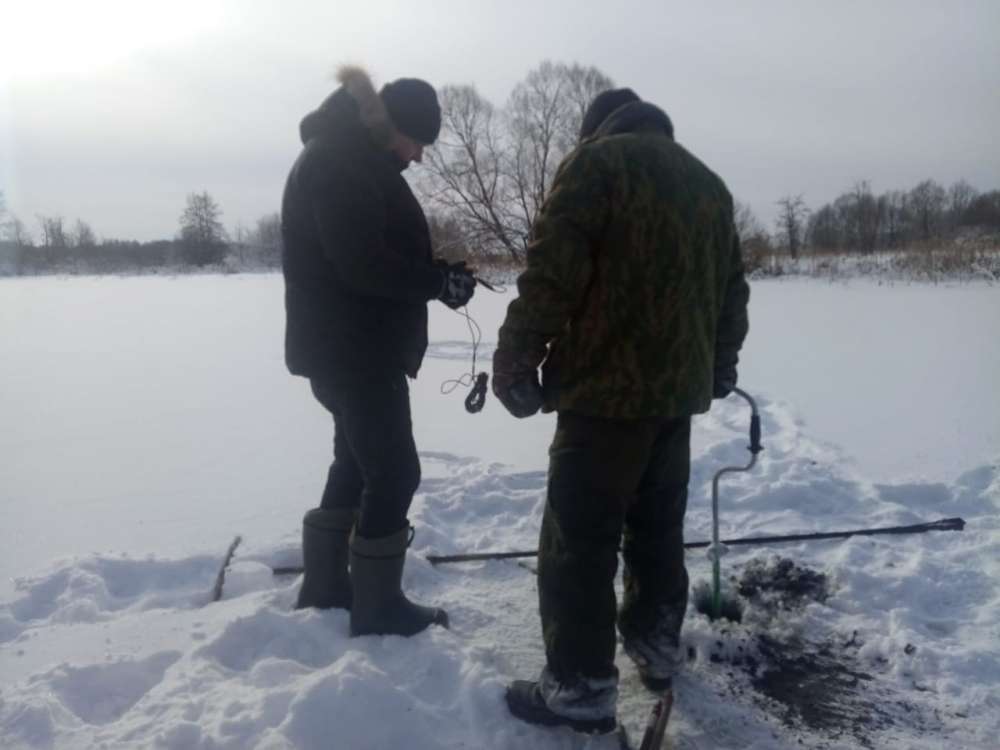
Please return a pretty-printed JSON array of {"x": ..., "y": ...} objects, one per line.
[{"x": 633, "y": 294}]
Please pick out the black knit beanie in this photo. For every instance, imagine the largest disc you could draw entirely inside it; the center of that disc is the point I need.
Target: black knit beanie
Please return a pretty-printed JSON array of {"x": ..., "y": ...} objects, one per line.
[
  {"x": 413, "y": 108},
  {"x": 603, "y": 105}
]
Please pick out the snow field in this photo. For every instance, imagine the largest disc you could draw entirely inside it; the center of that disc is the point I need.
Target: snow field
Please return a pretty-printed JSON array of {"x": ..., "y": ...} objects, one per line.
[{"x": 154, "y": 422}]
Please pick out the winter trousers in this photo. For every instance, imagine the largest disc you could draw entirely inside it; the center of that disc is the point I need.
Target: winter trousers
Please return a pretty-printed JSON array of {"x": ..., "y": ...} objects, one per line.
[
  {"x": 611, "y": 481},
  {"x": 375, "y": 465}
]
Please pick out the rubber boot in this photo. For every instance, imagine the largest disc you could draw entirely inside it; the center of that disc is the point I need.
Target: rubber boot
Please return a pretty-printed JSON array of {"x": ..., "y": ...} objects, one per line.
[
  {"x": 325, "y": 546},
  {"x": 380, "y": 607}
]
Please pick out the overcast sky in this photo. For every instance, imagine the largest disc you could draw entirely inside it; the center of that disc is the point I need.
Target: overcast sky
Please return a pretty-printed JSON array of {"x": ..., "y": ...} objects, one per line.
[{"x": 113, "y": 110}]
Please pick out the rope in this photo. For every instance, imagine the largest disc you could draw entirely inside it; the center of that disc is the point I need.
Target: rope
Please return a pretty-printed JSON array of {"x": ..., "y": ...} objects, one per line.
[
  {"x": 478, "y": 383},
  {"x": 469, "y": 379}
]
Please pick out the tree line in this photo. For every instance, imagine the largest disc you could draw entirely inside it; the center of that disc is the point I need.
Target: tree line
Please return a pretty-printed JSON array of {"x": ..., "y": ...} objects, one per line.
[
  {"x": 484, "y": 181},
  {"x": 201, "y": 242},
  {"x": 926, "y": 215}
]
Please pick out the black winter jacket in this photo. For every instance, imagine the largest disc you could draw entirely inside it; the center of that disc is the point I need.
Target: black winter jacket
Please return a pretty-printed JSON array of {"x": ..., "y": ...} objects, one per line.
[{"x": 357, "y": 254}]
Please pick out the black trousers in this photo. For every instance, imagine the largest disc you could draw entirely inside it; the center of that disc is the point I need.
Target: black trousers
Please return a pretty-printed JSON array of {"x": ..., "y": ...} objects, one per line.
[
  {"x": 375, "y": 465},
  {"x": 608, "y": 477}
]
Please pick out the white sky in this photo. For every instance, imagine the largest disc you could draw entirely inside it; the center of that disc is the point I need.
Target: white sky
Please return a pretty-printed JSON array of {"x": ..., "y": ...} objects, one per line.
[{"x": 112, "y": 111}]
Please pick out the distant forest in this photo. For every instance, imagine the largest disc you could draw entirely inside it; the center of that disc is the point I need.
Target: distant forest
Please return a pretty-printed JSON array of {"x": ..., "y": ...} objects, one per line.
[
  {"x": 486, "y": 178},
  {"x": 202, "y": 243},
  {"x": 953, "y": 227}
]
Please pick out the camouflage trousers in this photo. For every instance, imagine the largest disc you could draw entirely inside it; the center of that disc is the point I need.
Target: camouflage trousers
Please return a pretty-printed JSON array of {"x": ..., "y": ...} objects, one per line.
[{"x": 611, "y": 481}]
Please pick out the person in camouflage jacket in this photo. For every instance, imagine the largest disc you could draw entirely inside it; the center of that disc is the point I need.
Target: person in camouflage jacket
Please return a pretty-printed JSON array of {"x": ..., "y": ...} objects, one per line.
[{"x": 634, "y": 305}]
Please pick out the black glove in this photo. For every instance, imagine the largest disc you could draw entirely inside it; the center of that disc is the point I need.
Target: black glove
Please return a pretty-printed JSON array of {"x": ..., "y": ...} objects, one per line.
[
  {"x": 723, "y": 382},
  {"x": 515, "y": 383},
  {"x": 457, "y": 286},
  {"x": 520, "y": 395}
]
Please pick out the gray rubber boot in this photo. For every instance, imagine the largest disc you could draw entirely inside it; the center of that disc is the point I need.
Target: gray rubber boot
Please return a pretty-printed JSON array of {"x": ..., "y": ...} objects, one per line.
[
  {"x": 325, "y": 547},
  {"x": 380, "y": 607}
]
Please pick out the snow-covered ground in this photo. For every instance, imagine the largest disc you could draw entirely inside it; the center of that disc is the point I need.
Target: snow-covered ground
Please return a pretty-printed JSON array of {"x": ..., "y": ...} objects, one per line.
[{"x": 150, "y": 420}]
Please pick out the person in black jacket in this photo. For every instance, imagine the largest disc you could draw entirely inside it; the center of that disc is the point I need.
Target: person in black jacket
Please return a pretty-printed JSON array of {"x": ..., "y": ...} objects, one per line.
[{"x": 359, "y": 272}]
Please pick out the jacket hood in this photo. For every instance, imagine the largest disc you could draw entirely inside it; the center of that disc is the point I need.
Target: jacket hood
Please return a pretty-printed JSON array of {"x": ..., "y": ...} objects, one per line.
[
  {"x": 635, "y": 117},
  {"x": 355, "y": 108}
]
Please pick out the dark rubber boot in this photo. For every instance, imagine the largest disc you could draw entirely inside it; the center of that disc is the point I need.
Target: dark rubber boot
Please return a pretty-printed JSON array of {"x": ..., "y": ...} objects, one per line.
[
  {"x": 325, "y": 537},
  {"x": 380, "y": 607},
  {"x": 525, "y": 701}
]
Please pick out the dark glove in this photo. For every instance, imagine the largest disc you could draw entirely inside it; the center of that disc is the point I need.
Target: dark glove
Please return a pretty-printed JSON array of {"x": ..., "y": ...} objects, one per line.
[
  {"x": 457, "y": 286},
  {"x": 521, "y": 396},
  {"x": 724, "y": 382},
  {"x": 516, "y": 385}
]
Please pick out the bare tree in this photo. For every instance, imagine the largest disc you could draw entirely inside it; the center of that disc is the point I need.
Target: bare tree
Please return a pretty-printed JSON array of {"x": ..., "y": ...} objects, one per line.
[
  {"x": 896, "y": 217},
  {"x": 491, "y": 169},
  {"x": 984, "y": 211},
  {"x": 10, "y": 254},
  {"x": 53, "y": 233},
  {"x": 535, "y": 111},
  {"x": 790, "y": 223},
  {"x": 754, "y": 239},
  {"x": 268, "y": 231},
  {"x": 866, "y": 216},
  {"x": 544, "y": 115},
  {"x": 11, "y": 227},
  {"x": 203, "y": 238},
  {"x": 927, "y": 201},
  {"x": 747, "y": 225},
  {"x": 467, "y": 178},
  {"x": 83, "y": 235},
  {"x": 267, "y": 237},
  {"x": 582, "y": 84},
  {"x": 18, "y": 233},
  {"x": 825, "y": 229},
  {"x": 240, "y": 239},
  {"x": 960, "y": 196}
]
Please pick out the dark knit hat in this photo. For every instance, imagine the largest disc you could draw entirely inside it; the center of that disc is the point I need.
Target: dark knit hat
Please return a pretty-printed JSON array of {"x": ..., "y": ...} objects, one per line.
[
  {"x": 413, "y": 108},
  {"x": 603, "y": 105}
]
